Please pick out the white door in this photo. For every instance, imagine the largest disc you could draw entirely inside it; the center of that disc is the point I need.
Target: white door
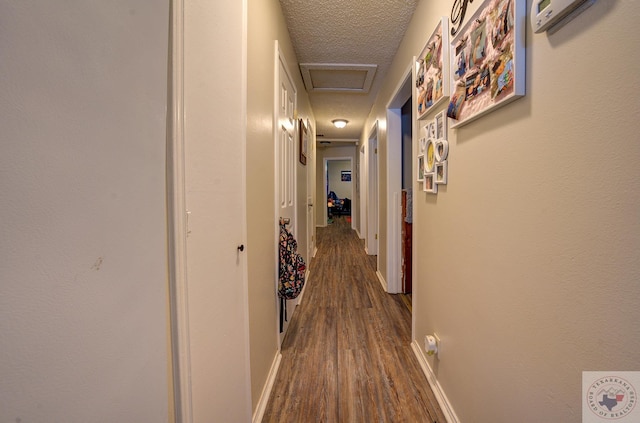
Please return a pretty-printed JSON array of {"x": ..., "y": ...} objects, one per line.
[
  {"x": 286, "y": 159},
  {"x": 212, "y": 310}
]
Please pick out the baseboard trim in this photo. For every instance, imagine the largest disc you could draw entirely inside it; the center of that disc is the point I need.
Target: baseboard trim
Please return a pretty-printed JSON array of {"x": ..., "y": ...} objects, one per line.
[
  {"x": 382, "y": 281},
  {"x": 442, "y": 399},
  {"x": 266, "y": 390}
]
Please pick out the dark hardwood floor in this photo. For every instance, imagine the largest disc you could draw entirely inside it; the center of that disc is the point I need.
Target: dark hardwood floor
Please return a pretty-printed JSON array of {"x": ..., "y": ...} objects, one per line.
[{"x": 347, "y": 354}]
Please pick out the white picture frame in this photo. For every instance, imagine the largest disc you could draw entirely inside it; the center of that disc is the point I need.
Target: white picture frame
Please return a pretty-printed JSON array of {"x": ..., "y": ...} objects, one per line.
[
  {"x": 487, "y": 62},
  {"x": 420, "y": 168},
  {"x": 429, "y": 184},
  {"x": 430, "y": 156},
  {"x": 431, "y": 72},
  {"x": 441, "y": 173},
  {"x": 441, "y": 150}
]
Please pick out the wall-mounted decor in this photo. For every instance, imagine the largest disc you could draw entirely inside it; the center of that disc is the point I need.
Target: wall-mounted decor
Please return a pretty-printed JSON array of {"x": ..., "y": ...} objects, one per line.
[
  {"x": 442, "y": 150},
  {"x": 304, "y": 142},
  {"x": 433, "y": 153},
  {"x": 429, "y": 185},
  {"x": 420, "y": 168},
  {"x": 441, "y": 172},
  {"x": 345, "y": 176},
  {"x": 488, "y": 61},
  {"x": 430, "y": 155},
  {"x": 432, "y": 70}
]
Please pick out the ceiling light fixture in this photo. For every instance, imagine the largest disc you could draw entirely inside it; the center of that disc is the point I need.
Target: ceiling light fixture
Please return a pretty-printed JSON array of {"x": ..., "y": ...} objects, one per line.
[{"x": 340, "y": 123}]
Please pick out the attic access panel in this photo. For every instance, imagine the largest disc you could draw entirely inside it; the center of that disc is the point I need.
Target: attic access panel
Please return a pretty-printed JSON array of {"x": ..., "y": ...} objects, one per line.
[{"x": 337, "y": 77}]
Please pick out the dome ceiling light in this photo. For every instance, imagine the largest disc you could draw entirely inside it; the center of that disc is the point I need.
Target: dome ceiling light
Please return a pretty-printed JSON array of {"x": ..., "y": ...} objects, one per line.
[{"x": 340, "y": 123}]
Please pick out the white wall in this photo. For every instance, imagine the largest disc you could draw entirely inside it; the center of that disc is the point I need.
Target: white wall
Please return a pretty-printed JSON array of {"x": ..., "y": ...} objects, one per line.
[
  {"x": 336, "y": 184},
  {"x": 528, "y": 259},
  {"x": 83, "y": 319}
]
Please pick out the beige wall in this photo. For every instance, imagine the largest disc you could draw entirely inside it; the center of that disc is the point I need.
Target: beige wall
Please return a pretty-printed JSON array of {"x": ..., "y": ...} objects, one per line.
[
  {"x": 528, "y": 259},
  {"x": 265, "y": 25},
  {"x": 336, "y": 184},
  {"x": 83, "y": 259}
]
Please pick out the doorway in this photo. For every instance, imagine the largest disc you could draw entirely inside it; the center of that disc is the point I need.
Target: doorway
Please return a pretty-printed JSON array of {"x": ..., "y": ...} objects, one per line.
[{"x": 338, "y": 183}]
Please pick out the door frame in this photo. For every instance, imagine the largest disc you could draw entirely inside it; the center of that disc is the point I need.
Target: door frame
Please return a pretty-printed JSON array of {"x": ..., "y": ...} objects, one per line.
[
  {"x": 401, "y": 94},
  {"x": 373, "y": 193}
]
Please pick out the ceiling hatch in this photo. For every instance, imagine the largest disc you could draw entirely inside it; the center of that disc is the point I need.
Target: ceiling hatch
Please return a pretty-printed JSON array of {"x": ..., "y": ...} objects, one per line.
[{"x": 337, "y": 77}]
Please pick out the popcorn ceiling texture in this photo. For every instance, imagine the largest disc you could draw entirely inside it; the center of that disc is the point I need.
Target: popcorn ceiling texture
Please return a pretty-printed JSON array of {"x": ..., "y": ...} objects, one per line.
[{"x": 352, "y": 32}]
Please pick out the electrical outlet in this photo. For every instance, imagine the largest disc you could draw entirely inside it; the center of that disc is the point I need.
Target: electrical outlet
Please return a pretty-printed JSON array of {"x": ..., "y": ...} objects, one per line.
[{"x": 438, "y": 345}]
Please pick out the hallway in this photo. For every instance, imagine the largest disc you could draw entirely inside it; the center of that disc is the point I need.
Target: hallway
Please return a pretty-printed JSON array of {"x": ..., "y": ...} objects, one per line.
[{"x": 347, "y": 354}]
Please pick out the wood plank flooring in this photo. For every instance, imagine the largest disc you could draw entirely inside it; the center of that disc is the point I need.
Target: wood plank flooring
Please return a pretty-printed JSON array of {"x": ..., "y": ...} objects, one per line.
[{"x": 347, "y": 354}]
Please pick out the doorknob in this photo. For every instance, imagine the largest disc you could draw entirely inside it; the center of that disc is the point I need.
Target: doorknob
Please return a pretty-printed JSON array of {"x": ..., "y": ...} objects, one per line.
[{"x": 241, "y": 247}]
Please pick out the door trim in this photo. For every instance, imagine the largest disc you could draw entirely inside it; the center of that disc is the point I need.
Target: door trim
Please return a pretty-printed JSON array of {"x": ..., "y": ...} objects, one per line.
[
  {"x": 177, "y": 226},
  {"x": 400, "y": 96},
  {"x": 373, "y": 193}
]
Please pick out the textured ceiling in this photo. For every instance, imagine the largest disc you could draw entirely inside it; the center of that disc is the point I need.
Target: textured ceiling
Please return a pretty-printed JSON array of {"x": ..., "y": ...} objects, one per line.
[{"x": 356, "y": 32}]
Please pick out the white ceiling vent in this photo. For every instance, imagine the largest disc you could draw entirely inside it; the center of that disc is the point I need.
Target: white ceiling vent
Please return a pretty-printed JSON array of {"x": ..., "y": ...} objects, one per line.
[{"x": 337, "y": 77}]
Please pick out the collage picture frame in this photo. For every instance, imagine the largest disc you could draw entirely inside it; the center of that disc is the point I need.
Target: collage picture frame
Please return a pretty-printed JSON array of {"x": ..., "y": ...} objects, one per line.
[
  {"x": 487, "y": 61},
  {"x": 432, "y": 80}
]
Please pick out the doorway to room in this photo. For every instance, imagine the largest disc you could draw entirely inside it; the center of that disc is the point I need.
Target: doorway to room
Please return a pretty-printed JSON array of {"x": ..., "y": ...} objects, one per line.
[{"x": 338, "y": 177}]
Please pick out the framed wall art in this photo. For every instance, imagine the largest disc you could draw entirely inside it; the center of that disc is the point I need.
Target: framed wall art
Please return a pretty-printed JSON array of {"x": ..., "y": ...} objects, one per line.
[
  {"x": 429, "y": 184},
  {"x": 432, "y": 70},
  {"x": 304, "y": 142},
  {"x": 487, "y": 61},
  {"x": 420, "y": 168},
  {"x": 441, "y": 172}
]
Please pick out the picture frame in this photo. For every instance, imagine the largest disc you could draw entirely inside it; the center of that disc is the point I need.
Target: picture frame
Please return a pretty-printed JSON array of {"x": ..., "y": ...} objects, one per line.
[
  {"x": 429, "y": 184},
  {"x": 441, "y": 150},
  {"x": 430, "y": 129},
  {"x": 440, "y": 124},
  {"x": 304, "y": 142},
  {"x": 431, "y": 79},
  {"x": 441, "y": 173},
  {"x": 345, "y": 175},
  {"x": 430, "y": 156},
  {"x": 420, "y": 168},
  {"x": 487, "y": 61}
]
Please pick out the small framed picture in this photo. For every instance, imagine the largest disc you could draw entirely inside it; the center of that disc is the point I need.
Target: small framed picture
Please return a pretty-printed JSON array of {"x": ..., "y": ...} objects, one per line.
[
  {"x": 304, "y": 142},
  {"x": 420, "y": 168},
  {"x": 430, "y": 155},
  {"x": 441, "y": 173},
  {"x": 441, "y": 125},
  {"x": 429, "y": 184},
  {"x": 441, "y": 150}
]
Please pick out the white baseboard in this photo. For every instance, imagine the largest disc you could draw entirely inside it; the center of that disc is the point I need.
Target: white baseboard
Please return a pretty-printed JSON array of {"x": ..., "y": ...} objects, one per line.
[
  {"x": 442, "y": 399},
  {"x": 266, "y": 391},
  {"x": 315, "y": 251},
  {"x": 382, "y": 281}
]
